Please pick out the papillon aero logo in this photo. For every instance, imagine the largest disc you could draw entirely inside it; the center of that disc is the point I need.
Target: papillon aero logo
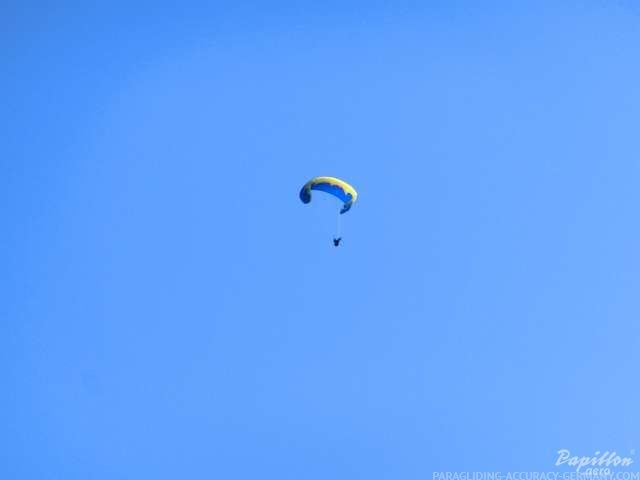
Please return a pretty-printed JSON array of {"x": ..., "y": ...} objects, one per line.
[{"x": 598, "y": 460}]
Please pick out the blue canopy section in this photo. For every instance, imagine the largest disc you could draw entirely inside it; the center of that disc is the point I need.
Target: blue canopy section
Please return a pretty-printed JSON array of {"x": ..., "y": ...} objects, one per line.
[{"x": 334, "y": 190}]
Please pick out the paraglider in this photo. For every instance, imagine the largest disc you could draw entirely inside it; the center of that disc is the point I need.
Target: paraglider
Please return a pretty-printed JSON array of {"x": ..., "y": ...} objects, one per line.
[{"x": 333, "y": 186}]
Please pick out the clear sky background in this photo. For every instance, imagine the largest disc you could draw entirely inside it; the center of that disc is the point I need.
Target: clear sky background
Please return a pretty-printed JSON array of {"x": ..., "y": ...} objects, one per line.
[{"x": 171, "y": 310}]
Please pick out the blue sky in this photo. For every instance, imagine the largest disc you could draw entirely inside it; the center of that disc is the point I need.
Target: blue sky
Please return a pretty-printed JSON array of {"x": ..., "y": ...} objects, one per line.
[{"x": 171, "y": 310}]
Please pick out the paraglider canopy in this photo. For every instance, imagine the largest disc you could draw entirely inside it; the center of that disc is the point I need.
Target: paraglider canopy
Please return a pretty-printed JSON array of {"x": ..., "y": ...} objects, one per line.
[{"x": 334, "y": 186}]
